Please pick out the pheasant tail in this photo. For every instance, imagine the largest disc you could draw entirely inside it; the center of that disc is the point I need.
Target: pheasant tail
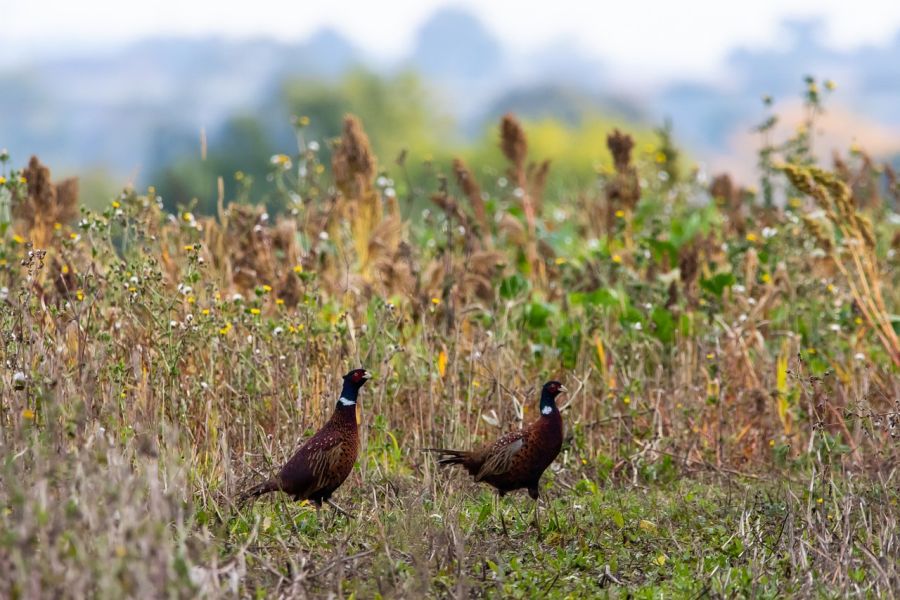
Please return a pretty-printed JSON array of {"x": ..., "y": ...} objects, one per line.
[
  {"x": 258, "y": 490},
  {"x": 450, "y": 457}
]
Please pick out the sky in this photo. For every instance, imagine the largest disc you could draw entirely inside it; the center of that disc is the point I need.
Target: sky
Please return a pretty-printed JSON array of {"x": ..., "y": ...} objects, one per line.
[{"x": 689, "y": 37}]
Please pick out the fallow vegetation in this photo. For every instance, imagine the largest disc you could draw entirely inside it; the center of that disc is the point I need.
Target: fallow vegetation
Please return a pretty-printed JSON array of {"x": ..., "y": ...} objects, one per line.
[{"x": 731, "y": 355}]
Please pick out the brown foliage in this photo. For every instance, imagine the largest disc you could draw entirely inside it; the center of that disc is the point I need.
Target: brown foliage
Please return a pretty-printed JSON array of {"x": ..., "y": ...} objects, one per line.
[
  {"x": 623, "y": 191},
  {"x": 45, "y": 204},
  {"x": 730, "y": 198}
]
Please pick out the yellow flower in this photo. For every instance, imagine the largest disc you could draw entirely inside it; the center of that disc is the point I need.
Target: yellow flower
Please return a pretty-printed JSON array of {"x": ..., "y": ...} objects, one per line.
[
  {"x": 115, "y": 204},
  {"x": 57, "y": 226},
  {"x": 626, "y": 400},
  {"x": 226, "y": 329},
  {"x": 830, "y": 288},
  {"x": 858, "y": 320},
  {"x": 18, "y": 239},
  {"x": 2, "y": 180},
  {"x": 584, "y": 461},
  {"x": 661, "y": 560},
  {"x": 132, "y": 289},
  {"x": 22, "y": 180},
  {"x": 795, "y": 202},
  {"x": 73, "y": 236},
  {"x": 303, "y": 121},
  {"x": 830, "y": 85},
  {"x": 191, "y": 299},
  {"x": 560, "y": 261},
  {"x": 254, "y": 311},
  {"x": 810, "y": 350},
  {"x": 204, "y": 312},
  {"x": 435, "y": 301},
  {"x": 298, "y": 269},
  {"x": 710, "y": 356},
  {"x": 282, "y": 160},
  {"x": 771, "y": 443},
  {"x": 820, "y": 500},
  {"x": 620, "y": 214},
  {"x": 476, "y": 384},
  {"x": 65, "y": 269},
  {"x": 279, "y": 301},
  {"x": 28, "y": 414},
  {"x": 300, "y": 327},
  {"x": 660, "y": 157},
  {"x": 267, "y": 288},
  {"x": 442, "y": 363},
  {"x": 239, "y": 175},
  {"x": 766, "y": 278},
  {"x": 616, "y": 259},
  {"x": 80, "y": 295},
  {"x": 188, "y": 248},
  {"x": 187, "y": 217},
  {"x": 751, "y": 237}
]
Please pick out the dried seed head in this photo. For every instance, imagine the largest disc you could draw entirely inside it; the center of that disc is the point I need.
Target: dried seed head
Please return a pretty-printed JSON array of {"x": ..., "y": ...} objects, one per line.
[
  {"x": 513, "y": 141},
  {"x": 353, "y": 161},
  {"x": 45, "y": 204},
  {"x": 865, "y": 229},
  {"x": 819, "y": 231},
  {"x": 471, "y": 189},
  {"x": 620, "y": 145}
]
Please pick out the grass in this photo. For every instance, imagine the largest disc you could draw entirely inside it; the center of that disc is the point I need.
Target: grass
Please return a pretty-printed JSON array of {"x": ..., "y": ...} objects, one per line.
[
  {"x": 689, "y": 538},
  {"x": 731, "y": 426}
]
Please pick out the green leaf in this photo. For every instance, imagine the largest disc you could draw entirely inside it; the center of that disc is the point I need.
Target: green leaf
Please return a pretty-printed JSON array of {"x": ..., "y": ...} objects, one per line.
[
  {"x": 717, "y": 283},
  {"x": 664, "y": 323},
  {"x": 513, "y": 286},
  {"x": 661, "y": 248},
  {"x": 537, "y": 313},
  {"x": 599, "y": 297},
  {"x": 617, "y": 518}
]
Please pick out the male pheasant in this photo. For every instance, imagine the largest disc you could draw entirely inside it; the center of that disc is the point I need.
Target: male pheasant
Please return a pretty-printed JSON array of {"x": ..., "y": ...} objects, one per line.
[
  {"x": 519, "y": 458},
  {"x": 322, "y": 464}
]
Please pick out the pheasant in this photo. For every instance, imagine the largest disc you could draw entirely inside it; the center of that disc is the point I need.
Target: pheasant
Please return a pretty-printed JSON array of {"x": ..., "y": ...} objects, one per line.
[
  {"x": 322, "y": 464},
  {"x": 518, "y": 459}
]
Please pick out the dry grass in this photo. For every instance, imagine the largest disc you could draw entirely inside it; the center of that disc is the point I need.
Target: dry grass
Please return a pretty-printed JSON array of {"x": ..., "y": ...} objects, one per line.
[{"x": 732, "y": 424}]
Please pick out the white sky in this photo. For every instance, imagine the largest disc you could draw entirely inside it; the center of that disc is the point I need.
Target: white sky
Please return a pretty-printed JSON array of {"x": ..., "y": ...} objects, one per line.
[{"x": 686, "y": 36}]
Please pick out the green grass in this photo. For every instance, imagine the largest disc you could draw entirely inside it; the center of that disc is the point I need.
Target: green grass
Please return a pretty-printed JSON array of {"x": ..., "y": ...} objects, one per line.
[{"x": 708, "y": 535}]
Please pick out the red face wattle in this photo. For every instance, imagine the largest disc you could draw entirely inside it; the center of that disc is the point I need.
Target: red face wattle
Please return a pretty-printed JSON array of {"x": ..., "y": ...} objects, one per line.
[
  {"x": 358, "y": 376},
  {"x": 555, "y": 388}
]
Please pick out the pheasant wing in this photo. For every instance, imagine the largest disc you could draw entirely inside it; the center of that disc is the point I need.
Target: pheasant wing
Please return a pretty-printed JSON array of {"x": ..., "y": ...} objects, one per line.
[
  {"x": 500, "y": 455},
  {"x": 311, "y": 467}
]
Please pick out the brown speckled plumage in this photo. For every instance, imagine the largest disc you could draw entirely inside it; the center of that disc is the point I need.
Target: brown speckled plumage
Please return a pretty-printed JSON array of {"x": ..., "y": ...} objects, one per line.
[
  {"x": 519, "y": 458},
  {"x": 322, "y": 464}
]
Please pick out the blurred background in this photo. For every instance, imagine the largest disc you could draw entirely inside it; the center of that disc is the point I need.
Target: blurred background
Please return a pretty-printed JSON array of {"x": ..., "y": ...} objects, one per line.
[{"x": 179, "y": 93}]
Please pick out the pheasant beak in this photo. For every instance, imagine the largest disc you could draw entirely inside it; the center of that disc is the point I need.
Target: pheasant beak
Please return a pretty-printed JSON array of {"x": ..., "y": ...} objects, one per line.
[
  {"x": 366, "y": 376},
  {"x": 563, "y": 389}
]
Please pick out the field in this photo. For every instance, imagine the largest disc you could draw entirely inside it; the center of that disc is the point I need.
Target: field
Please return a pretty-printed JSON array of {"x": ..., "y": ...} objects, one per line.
[{"x": 731, "y": 353}]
